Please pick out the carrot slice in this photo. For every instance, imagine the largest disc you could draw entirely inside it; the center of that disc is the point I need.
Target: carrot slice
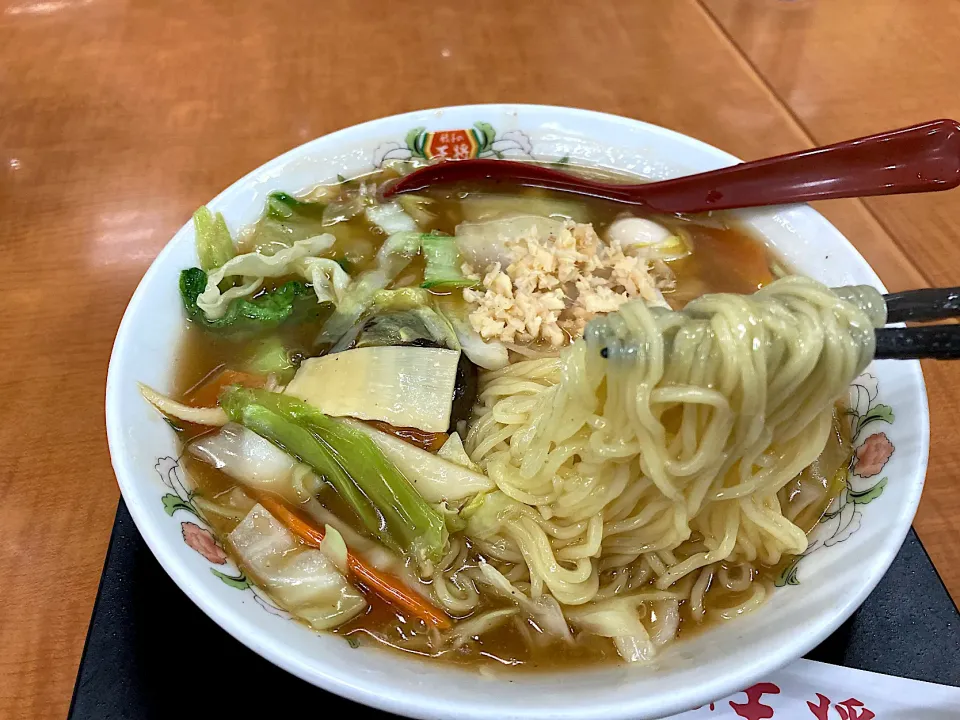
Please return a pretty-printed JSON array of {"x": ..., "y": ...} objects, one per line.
[
  {"x": 384, "y": 584},
  {"x": 207, "y": 391}
]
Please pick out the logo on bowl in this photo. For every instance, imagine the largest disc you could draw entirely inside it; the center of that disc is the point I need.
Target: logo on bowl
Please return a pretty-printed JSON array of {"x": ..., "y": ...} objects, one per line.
[{"x": 480, "y": 141}]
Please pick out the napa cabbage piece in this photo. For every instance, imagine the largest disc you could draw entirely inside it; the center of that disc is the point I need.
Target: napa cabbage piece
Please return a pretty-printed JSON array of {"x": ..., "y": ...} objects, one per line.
[
  {"x": 435, "y": 478},
  {"x": 330, "y": 281},
  {"x": 261, "y": 313},
  {"x": 545, "y": 611},
  {"x": 490, "y": 355},
  {"x": 619, "y": 619},
  {"x": 335, "y": 548},
  {"x": 270, "y": 357},
  {"x": 260, "y": 466},
  {"x": 393, "y": 256},
  {"x": 253, "y": 461},
  {"x": 487, "y": 512},
  {"x": 287, "y": 220},
  {"x": 252, "y": 268},
  {"x": 303, "y": 581},
  {"x": 469, "y": 630},
  {"x": 403, "y": 386},
  {"x": 387, "y": 504},
  {"x": 481, "y": 244},
  {"x": 443, "y": 269},
  {"x": 340, "y": 209},
  {"x": 391, "y": 218}
]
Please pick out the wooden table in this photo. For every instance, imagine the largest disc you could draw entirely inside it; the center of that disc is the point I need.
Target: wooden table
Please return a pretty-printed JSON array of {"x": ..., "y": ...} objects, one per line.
[{"x": 118, "y": 118}]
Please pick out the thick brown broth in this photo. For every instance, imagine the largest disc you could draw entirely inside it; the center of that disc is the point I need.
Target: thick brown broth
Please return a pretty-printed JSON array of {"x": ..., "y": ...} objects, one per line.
[{"x": 724, "y": 259}]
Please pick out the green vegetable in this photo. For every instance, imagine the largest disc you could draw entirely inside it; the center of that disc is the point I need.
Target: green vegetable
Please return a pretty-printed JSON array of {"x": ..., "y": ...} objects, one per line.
[
  {"x": 271, "y": 358},
  {"x": 300, "y": 442},
  {"x": 214, "y": 244},
  {"x": 285, "y": 221},
  {"x": 393, "y": 256},
  {"x": 280, "y": 205},
  {"x": 266, "y": 311},
  {"x": 388, "y": 505},
  {"x": 437, "y": 479},
  {"x": 473, "y": 504},
  {"x": 443, "y": 264}
]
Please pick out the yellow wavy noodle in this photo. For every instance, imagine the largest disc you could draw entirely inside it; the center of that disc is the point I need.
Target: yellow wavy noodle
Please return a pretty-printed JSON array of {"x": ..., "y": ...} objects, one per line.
[{"x": 653, "y": 452}]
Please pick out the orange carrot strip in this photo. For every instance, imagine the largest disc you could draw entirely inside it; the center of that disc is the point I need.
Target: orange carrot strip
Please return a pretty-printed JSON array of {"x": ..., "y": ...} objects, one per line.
[
  {"x": 389, "y": 587},
  {"x": 207, "y": 391}
]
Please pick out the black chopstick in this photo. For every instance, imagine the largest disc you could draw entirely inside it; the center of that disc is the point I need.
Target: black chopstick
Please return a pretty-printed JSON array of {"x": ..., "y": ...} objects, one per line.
[
  {"x": 923, "y": 305},
  {"x": 939, "y": 342}
]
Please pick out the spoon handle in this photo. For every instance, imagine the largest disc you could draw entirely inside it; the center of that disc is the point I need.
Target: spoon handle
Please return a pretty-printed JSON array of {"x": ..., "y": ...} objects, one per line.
[{"x": 922, "y": 158}]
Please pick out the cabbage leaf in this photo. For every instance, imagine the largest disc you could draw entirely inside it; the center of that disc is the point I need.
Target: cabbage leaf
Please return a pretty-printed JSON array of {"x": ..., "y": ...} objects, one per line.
[
  {"x": 303, "y": 581},
  {"x": 251, "y": 268},
  {"x": 263, "y": 312}
]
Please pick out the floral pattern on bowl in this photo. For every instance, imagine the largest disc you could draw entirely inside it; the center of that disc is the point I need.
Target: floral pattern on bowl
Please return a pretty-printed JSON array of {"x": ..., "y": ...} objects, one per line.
[
  {"x": 201, "y": 538},
  {"x": 871, "y": 454}
]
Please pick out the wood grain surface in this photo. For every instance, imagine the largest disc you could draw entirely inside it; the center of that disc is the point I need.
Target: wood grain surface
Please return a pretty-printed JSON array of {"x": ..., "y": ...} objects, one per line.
[{"x": 118, "y": 118}]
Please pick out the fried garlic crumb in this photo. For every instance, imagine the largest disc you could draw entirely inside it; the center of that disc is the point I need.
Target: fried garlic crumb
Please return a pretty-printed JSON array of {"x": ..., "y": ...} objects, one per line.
[{"x": 553, "y": 286}]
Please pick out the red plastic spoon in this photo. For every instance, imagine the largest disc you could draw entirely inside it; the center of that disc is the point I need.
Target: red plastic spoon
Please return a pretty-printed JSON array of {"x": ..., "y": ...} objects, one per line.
[{"x": 922, "y": 158}]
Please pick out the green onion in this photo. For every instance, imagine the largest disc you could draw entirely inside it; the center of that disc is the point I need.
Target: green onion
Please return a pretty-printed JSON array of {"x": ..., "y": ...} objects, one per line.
[{"x": 271, "y": 357}]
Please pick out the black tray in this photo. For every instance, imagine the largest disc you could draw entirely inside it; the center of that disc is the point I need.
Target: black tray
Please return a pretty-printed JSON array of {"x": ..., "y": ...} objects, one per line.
[{"x": 136, "y": 666}]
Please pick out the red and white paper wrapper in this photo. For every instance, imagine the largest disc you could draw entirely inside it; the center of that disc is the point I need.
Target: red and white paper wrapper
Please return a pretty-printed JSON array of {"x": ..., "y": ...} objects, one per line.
[{"x": 808, "y": 690}]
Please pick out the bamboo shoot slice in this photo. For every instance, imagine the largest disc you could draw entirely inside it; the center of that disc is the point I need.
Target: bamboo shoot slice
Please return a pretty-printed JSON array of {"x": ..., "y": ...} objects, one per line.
[{"x": 403, "y": 386}]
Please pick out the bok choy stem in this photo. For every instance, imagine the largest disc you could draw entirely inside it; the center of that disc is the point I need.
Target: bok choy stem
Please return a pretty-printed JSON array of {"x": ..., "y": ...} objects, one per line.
[
  {"x": 214, "y": 244},
  {"x": 407, "y": 520},
  {"x": 443, "y": 269},
  {"x": 301, "y": 443}
]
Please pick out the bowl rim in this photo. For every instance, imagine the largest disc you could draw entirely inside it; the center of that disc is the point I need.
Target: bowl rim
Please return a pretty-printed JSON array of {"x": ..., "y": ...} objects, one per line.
[{"x": 412, "y": 704}]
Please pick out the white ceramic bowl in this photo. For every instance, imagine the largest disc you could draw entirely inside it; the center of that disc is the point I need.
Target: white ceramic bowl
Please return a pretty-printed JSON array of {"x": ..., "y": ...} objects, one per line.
[{"x": 850, "y": 553}]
